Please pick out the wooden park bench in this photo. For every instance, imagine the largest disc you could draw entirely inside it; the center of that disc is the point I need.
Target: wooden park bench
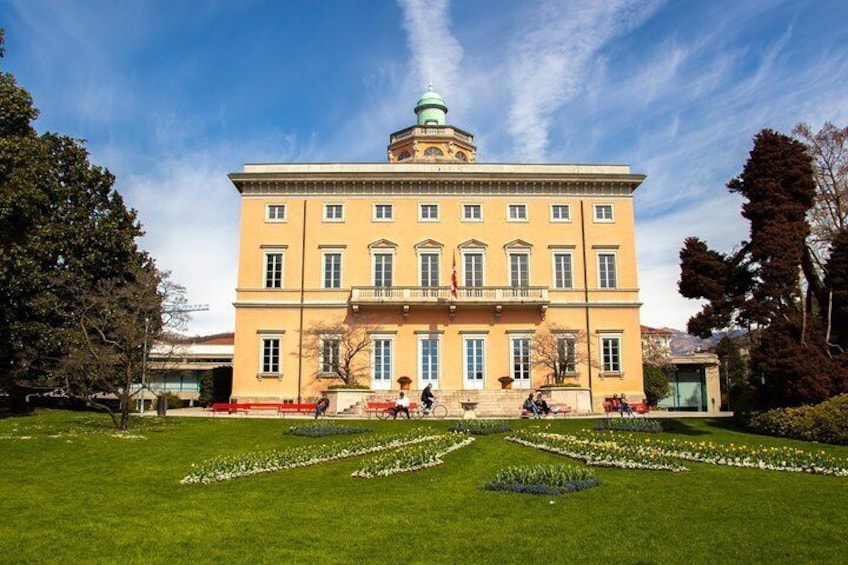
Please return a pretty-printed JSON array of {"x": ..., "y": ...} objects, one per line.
[
  {"x": 228, "y": 407},
  {"x": 614, "y": 405}
]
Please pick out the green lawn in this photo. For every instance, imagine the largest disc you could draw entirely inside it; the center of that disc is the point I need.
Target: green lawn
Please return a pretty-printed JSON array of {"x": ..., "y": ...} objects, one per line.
[{"x": 75, "y": 493}]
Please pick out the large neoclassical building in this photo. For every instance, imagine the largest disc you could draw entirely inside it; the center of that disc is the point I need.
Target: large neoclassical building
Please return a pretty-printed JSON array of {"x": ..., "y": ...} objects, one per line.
[{"x": 456, "y": 265}]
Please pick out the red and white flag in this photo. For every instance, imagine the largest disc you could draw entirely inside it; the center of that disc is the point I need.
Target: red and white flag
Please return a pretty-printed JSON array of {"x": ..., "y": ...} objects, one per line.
[{"x": 453, "y": 276}]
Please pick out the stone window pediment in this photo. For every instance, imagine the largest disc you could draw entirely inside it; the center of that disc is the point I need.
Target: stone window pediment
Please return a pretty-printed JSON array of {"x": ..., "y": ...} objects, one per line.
[
  {"x": 429, "y": 244},
  {"x": 382, "y": 244},
  {"x": 472, "y": 244}
]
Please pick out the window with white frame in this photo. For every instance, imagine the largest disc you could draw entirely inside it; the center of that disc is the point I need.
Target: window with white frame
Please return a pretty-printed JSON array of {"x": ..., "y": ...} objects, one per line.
[
  {"x": 560, "y": 213},
  {"x": 383, "y": 212},
  {"x": 472, "y": 212},
  {"x": 519, "y": 269},
  {"x": 330, "y": 349},
  {"x": 381, "y": 366},
  {"x": 611, "y": 353},
  {"x": 275, "y": 212},
  {"x": 332, "y": 269},
  {"x": 516, "y": 212},
  {"x": 273, "y": 269},
  {"x": 563, "y": 273},
  {"x": 606, "y": 270},
  {"x": 566, "y": 354},
  {"x": 428, "y": 212},
  {"x": 472, "y": 272},
  {"x": 333, "y": 212},
  {"x": 429, "y": 263},
  {"x": 520, "y": 359},
  {"x": 269, "y": 355},
  {"x": 383, "y": 265},
  {"x": 428, "y": 359},
  {"x": 604, "y": 213},
  {"x": 474, "y": 355}
]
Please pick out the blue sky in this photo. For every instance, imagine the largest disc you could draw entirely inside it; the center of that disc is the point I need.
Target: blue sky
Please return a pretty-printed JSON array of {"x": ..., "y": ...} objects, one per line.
[{"x": 173, "y": 95}]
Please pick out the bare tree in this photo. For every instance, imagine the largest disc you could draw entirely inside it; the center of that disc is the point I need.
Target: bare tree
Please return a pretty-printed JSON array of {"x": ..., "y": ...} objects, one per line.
[
  {"x": 341, "y": 348},
  {"x": 560, "y": 350},
  {"x": 114, "y": 325},
  {"x": 829, "y": 150}
]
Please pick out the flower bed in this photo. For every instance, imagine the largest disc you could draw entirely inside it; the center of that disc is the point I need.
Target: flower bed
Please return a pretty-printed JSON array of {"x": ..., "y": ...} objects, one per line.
[
  {"x": 231, "y": 467},
  {"x": 649, "y": 425},
  {"x": 594, "y": 450},
  {"x": 542, "y": 479},
  {"x": 323, "y": 429},
  {"x": 481, "y": 427},
  {"x": 415, "y": 457},
  {"x": 632, "y": 452}
]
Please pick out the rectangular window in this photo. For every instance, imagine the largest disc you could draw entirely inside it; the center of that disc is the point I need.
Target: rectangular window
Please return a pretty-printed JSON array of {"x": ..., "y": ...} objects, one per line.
[
  {"x": 606, "y": 270},
  {"x": 562, "y": 271},
  {"x": 472, "y": 212},
  {"x": 521, "y": 360},
  {"x": 383, "y": 269},
  {"x": 611, "y": 354},
  {"x": 560, "y": 213},
  {"x": 474, "y": 362},
  {"x": 270, "y": 355},
  {"x": 428, "y": 212},
  {"x": 472, "y": 273},
  {"x": 332, "y": 270},
  {"x": 333, "y": 212},
  {"x": 566, "y": 354},
  {"x": 519, "y": 270},
  {"x": 517, "y": 212},
  {"x": 604, "y": 213},
  {"x": 429, "y": 269},
  {"x": 429, "y": 360},
  {"x": 383, "y": 212},
  {"x": 275, "y": 212},
  {"x": 330, "y": 355},
  {"x": 382, "y": 363},
  {"x": 273, "y": 269}
]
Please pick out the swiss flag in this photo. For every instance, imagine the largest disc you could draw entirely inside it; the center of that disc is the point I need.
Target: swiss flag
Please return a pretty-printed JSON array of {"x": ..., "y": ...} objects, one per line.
[{"x": 453, "y": 276}]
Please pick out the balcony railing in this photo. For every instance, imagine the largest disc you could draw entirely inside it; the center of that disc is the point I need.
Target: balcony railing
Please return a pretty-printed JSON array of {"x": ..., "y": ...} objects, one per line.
[
  {"x": 430, "y": 131},
  {"x": 503, "y": 295}
]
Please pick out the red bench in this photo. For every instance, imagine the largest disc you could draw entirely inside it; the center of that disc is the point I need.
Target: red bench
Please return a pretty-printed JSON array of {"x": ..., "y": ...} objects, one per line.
[
  {"x": 229, "y": 408},
  {"x": 614, "y": 405},
  {"x": 302, "y": 408},
  {"x": 384, "y": 409}
]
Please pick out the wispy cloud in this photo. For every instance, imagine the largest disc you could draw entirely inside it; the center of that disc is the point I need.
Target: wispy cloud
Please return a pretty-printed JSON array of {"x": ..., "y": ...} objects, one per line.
[
  {"x": 436, "y": 53},
  {"x": 551, "y": 58}
]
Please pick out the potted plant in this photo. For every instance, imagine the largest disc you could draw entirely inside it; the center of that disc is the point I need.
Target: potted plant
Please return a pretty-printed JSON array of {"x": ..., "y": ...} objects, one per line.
[
  {"x": 404, "y": 382},
  {"x": 506, "y": 382}
]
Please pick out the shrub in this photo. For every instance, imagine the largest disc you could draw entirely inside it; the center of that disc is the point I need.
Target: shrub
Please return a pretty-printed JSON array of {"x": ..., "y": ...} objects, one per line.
[
  {"x": 656, "y": 384},
  {"x": 350, "y": 386},
  {"x": 542, "y": 479},
  {"x": 174, "y": 401},
  {"x": 648, "y": 425},
  {"x": 826, "y": 422},
  {"x": 322, "y": 429},
  {"x": 480, "y": 427}
]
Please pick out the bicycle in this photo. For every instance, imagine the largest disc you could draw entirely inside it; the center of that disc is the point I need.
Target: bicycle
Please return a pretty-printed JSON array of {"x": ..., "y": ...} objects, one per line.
[{"x": 439, "y": 411}]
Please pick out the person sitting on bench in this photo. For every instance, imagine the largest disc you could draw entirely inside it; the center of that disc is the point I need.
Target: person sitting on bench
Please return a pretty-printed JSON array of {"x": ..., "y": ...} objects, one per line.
[
  {"x": 542, "y": 405},
  {"x": 531, "y": 407},
  {"x": 401, "y": 405},
  {"x": 322, "y": 405},
  {"x": 624, "y": 406}
]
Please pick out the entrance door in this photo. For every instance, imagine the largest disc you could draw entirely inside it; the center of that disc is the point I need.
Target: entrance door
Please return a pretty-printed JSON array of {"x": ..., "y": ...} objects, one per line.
[{"x": 473, "y": 362}]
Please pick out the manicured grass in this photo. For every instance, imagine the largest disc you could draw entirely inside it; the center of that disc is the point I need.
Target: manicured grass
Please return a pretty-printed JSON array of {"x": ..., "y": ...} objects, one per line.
[{"x": 88, "y": 496}]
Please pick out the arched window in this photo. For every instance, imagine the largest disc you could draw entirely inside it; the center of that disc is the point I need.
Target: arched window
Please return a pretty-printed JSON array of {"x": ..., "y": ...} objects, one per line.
[
  {"x": 461, "y": 156},
  {"x": 404, "y": 155},
  {"x": 433, "y": 152}
]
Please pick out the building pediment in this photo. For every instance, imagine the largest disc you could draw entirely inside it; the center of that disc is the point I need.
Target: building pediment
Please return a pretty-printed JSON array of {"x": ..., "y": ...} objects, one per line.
[
  {"x": 429, "y": 244},
  {"x": 382, "y": 244},
  {"x": 472, "y": 244},
  {"x": 518, "y": 244}
]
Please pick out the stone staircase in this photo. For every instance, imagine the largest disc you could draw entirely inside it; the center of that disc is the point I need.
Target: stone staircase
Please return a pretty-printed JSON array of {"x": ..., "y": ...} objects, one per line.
[{"x": 490, "y": 403}]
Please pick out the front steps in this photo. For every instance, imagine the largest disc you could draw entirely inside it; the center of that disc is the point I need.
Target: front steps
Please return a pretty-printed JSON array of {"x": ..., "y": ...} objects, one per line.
[{"x": 490, "y": 403}]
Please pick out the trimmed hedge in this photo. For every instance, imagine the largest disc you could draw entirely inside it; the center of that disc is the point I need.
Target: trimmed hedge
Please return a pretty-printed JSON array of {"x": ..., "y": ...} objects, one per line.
[{"x": 825, "y": 423}]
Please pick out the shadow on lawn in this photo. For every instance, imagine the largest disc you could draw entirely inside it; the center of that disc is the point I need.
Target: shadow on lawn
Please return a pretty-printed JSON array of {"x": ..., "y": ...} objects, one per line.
[{"x": 683, "y": 428}]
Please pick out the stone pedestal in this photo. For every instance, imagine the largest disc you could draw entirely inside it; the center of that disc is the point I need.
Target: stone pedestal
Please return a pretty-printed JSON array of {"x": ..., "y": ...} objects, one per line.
[
  {"x": 343, "y": 398},
  {"x": 468, "y": 409},
  {"x": 580, "y": 399}
]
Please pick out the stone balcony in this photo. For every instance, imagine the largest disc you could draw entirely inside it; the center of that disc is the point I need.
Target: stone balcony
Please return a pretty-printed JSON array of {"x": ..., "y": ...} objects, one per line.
[{"x": 407, "y": 297}]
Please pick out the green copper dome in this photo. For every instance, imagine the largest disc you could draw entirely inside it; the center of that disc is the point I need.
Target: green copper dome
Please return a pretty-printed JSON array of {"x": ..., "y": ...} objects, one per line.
[{"x": 431, "y": 109}]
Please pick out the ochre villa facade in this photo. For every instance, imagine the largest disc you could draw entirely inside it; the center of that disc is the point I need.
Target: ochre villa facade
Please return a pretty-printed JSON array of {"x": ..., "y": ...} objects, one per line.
[{"x": 455, "y": 266}]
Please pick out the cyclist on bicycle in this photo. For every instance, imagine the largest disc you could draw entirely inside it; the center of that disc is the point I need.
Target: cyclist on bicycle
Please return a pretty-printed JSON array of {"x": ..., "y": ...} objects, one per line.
[{"x": 427, "y": 397}]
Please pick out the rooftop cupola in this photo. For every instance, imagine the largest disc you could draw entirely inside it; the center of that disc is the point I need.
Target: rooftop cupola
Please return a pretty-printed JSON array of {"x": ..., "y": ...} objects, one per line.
[
  {"x": 431, "y": 109},
  {"x": 432, "y": 140}
]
